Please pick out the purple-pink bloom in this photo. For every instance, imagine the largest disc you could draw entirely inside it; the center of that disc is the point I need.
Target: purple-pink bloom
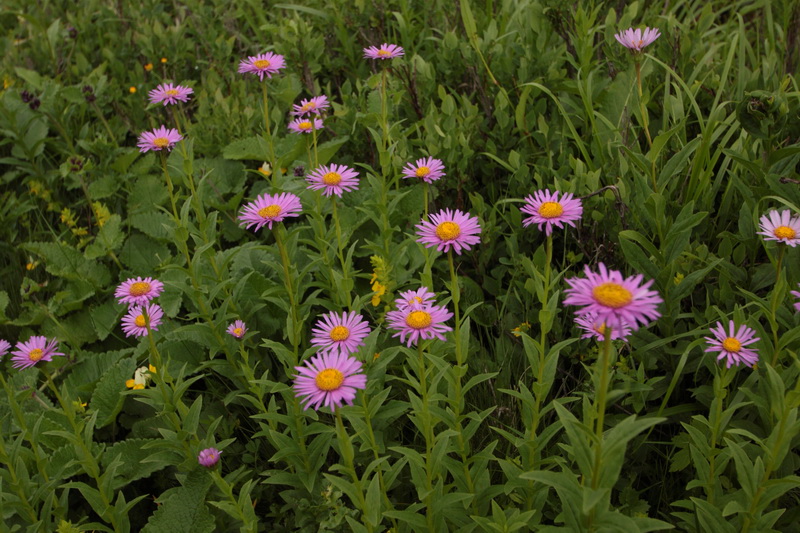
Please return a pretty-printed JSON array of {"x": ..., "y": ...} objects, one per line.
[
  {"x": 596, "y": 329},
  {"x": 167, "y": 93},
  {"x": 139, "y": 290},
  {"x": 781, "y": 227},
  {"x": 384, "y": 51},
  {"x": 312, "y": 106},
  {"x": 135, "y": 322},
  {"x": 796, "y": 294},
  {"x": 158, "y": 139},
  {"x": 305, "y": 125},
  {"x": 419, "y": 322},
  {"x": 635, "y": 40},
  {"x": 333, "y": 179},
  {"x": 209, "y": 457},
  {"x": 36, "y": 349},
  {"x": 262, "y": 65},
  {"x": 614, "y": 300},
  {"x": 5, "y": 346},
  {"x": 237, "y": 329},
  {"x": 548, "y": 210},
  {"x": 427, "y": 169},
  {"x": 269, "y": 208},
  {"x": 449, "y": 229},
  {"x": 340, "y": 333},
  {"x": 329, "y": 379},
  {"x": 732, "y": 346},
  {"x": 415, "y": 299}
]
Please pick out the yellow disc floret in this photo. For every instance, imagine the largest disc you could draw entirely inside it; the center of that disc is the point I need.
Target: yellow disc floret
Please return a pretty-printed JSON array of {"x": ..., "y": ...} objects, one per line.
[
  {"x": 261, "y": 64},
  {"x": 140, "y": 321},
  {"x": 785, "y": 232},
  {"x": 139, "y": 288},
  {"x": 339, "y": 333},
  {"x": 329, "y": 379},
  {"x": 35, "y": 355},
  {"x": 447, "y": 231},
  {"x": 161, "y": 142},
  {"x": 384, "y": 53},
  {"x": 422, "y": 172},
  {"x": 332, "y": 178},
  {"x": 171, "y": 92},
  {"x": 731, "y": 345},
  {"x": 612, "y": 295},
  {"x": 551, "y": 210},
  {"x": 271, "y": 211},
  {"x": 419, "y": 319},
  {"x": 305, "y": 125}
]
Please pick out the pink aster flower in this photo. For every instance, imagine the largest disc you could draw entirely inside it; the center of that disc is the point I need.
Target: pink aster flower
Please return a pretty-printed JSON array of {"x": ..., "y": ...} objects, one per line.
[
  {"x": 427, "y": 169},
  {"x": 237, "y": 329},
  {"x": 36, "y": 349},
  {"x": 548, "y": 210},
  {"x": 796, "y": 294},
  {"x": 333, "y": 179},
  {"x": 269, "y": 208},
  {"x": 417, "y": 299},
  {"x": 5, "y": 346},
  {"x": 594, "y": 329},
  {"x": 337, "y": 333},
  {"x": 139, "y": 290},
  {"x": 167, "y": 94},
  {"x": 135, "y": 322},
  {"x": 419, "y": 322},
  {"x": 634, "y": 39},
  {"x": 313, "y": 106},
  {"x": 262, "y": 65},
  {"x": 614, "y": 301},
  {"x": 329, "y": 380},
  {"x": 781, "y": 227},
  {"x": 208, "y": 457},
  {"x": 449, "y": 229},
  {"x": 733, "y": 345},
  {"x": 384, "y": 51},
  {"x": 158, "y": 139},
  {"x": 305, "y": 125}
]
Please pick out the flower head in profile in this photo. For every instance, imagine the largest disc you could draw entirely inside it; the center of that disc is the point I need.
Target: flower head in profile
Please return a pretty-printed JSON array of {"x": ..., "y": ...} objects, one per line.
[
  {"x": 36, "y": 349},
  {"x": 329, "y": 380},
  {"x": 595, "y": 329},
  {"x": 732, "y": 345},
  {"x": 262, "y": 65},
  {"x": 548, "y": 209},
  {"x": 426, "y": 169},
  {"x": 311, "y": 106},
  {"x": 141, "y": 377},
  {"x": 237, "y": 329},
  {"x": 384, "y": 51},
  {"x": 159, "y": 139},
  {"x": 268, "y": 209},
  {"x": 167, "y": 94},
  {"x": 340, "y": 333},
  {"x": 449, "y": 229},
  {"x": 615, "y": 301},
  {"x": 419, "y": 322},
  {"x": 208, "y": 457},
  {"x": 135, "y": 322},
  {"x": 5, "y": 346},
  {"x": 333, "y": 179},
  {"x": 635, "y": 40},
  {"x": 781, "y": 227},
  {"x": 417, "y": 299},
  {"x": 138, "y": 291},
  {"x": 306, "y": 124},
  {"x": 796, "y": 294}
]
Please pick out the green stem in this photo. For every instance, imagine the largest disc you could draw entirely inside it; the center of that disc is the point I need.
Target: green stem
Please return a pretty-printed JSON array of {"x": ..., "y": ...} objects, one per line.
[
  {"x": 345, "y": 270},
  {"x": 268, "y": 134},
  {"x": 170, "y": 188},
  {"x": 346, "y": 449},
  {"x": 314, "y": 138},
  {"x": 105, "y": 123},
  {"x": 600, "y": 406},
  {"x": 287, "y": 275},
  {"x": 428, "y": 430},
  {"x": 720, "y": 392}
]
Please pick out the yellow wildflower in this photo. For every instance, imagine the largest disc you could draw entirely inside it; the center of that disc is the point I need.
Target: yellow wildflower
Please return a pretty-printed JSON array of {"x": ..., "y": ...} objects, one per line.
[
  {"x": 148, "y": 67},
  {"x": 101, "y": 213},
  {"x": 132, "y": 90}
]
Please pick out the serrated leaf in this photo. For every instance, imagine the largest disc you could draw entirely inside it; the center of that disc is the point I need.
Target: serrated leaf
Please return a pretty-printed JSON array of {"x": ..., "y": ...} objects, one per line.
[
  {"x": 182, "y": 509},
  {"x": 138, "y": 461},
  {"x": 107, "y": 400}
]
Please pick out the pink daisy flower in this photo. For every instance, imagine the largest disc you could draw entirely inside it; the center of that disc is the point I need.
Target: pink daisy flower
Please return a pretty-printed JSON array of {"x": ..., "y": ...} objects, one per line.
[
  {"x": 36, "y": 349},
  {"x": 135, "y": 323},
  {"x": 343, "y": 333},
  {"x": 158, "y": 139},
  {"x": 5, "y": 346},
  {"x": 208, "y": 457},
  {"x": 269, "y": 208},
  {"x": 333, "y": 179},
  {"x": 614, "y": 301},
  {"x": 796, "y": 294},
  {"x": 305, "y": 125},
  {"x": 594, "y": 329},
  {"x": 237, "y": 329},
  {"x": 329, "y": 380},
  {"x": 449, "y": 229},
  {"x": 419, "y": 322},
  {"x": 417, "y": 299},
  {"x": 427, "y": 169},
  {"x": 733, "y": 345},
  {"x": 262, "y": 65},
  {"x": 138, "y": 291},
  {"x": 548, "y": 210},
  {"x": 313, "y": 106},
  {"x": 781, "y": 227},
  {"x": 384, "y": 51},
  {"x": 635, "y": 40},
  {"x": 167, "y": 94}
]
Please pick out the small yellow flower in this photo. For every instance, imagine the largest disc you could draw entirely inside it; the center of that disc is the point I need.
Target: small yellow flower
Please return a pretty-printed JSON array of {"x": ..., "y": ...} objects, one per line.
[
  {"x": 132, "y": 90},
  {"x": 163, "y": 59},
  {"x": 101, "y": 213},
  {"x": 678, "y": 278},
  {"x": 265, "y": 169},
  {"x": 68, "y": 218},
  {"x": 7, "y": 82},
  {"x": 522, "y": 328},
  {"x": 375, "y": 357},
  {"x": 140, "y": 377},
  {"x": 148, "y": 67},
  {"x": 31, "y": 265}
]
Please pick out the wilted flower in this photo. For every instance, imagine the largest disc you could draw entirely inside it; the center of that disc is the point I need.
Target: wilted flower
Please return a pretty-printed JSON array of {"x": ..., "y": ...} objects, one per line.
[
  {"x": 330, "y": 380},
  {"x": 208, "y": 457},
  {"x": 415, "y": 299},
  {"x": 732, "y": 346},
  {"x": 140, "y": 377},
  {"x": 595, "y": 329}
]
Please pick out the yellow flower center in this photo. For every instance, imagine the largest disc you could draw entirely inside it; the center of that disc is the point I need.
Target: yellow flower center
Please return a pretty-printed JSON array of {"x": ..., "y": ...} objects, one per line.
[
  {"x": 139, "y": 321},
  {"x": 261, "y": 63},
  {"x": 171, "y": 92},
  {"x": 271, "y": 211},
  {"x": 332, "y": 178},
  {"x": 308, "y": 106},
  {"x": 447, "y": 231},
  {"x": 418, "y": 319},
  {"x": 551, "y": 210},
  {"x": 600, "y": 328},
  {"x": 611, "y": 294},
  {"x": 305, "y": 125},
  {"x": 35, "y": 355},
  {"x": 161, "y": 142},
  {"x": 415, "y": 300},
  {"x": 329, "y": 379},
  {"x": 422, "y": 172},
  {"x": 785, "y": 232},
  {"x": 139, "y": 288},
  {"x": 238, "y": 332},
  {"x": 731, "y": 345},
  {"x": 339, "y": 333},
  {"x": 639, "y": 45},
  {"x": 384, "y": 53}
]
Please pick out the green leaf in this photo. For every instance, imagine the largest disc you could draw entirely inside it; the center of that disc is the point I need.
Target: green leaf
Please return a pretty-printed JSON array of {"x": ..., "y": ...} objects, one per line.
[
  {"x": 107, "y": 400},
  {"x": 138, "y": 460},
  {"x": 182, "y": 509}
]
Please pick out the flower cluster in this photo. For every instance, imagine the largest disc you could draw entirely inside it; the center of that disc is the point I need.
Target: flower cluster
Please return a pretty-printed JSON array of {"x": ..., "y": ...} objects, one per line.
[
  {"x": 143, "y": 315},
  {"x": 418, "y": 318}
]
